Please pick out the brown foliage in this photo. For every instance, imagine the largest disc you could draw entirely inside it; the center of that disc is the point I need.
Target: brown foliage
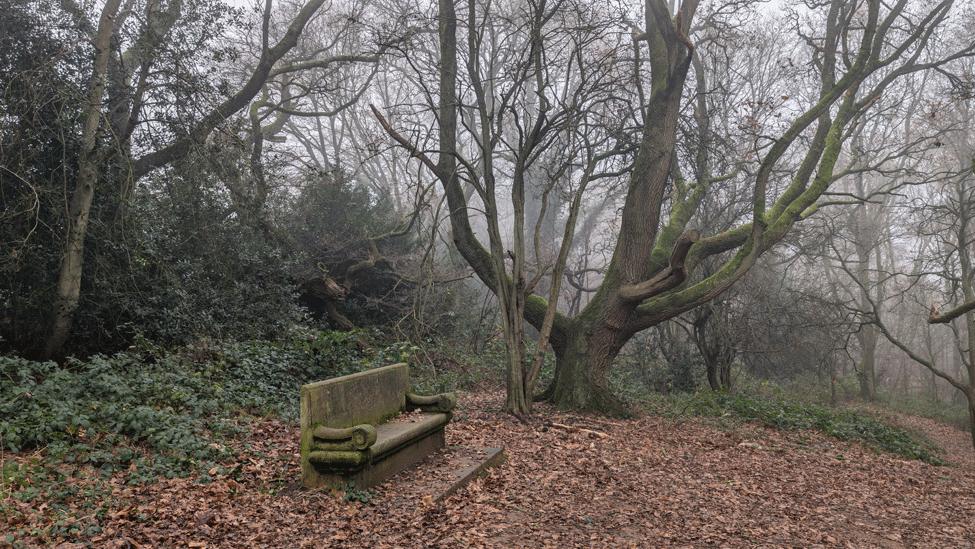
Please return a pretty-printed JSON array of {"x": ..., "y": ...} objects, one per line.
[{"x": 648, "y": 482}]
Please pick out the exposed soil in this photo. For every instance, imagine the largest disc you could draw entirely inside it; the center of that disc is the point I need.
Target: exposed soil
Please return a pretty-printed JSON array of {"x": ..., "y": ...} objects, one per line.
[{"x": 650, "y": 482}]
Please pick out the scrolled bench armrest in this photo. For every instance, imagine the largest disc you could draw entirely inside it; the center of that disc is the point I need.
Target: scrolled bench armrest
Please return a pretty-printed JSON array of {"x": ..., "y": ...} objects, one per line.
[
  {"x": 442, "y": 403},
  {"x": 339, "y": 460},
  {"x": 359, "y": 437}
]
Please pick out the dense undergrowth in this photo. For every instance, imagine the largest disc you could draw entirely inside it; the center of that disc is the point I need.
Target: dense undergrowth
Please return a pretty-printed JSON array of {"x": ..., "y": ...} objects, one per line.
[
  {"x": 950, "y": 413},
  {"x": 148, "y": 413},
  {"x": 813, "y": 389},
  {"x": 166, "y": 412},
  {"x": 789, "y": 414}
]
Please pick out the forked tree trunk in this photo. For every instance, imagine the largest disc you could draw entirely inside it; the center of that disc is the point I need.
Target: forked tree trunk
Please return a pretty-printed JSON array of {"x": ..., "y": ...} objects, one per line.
[{"x": 719, "y": 374}]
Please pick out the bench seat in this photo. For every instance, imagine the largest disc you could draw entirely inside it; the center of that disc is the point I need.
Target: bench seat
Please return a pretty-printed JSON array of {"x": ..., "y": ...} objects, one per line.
[{"x": 393, "y": 436}]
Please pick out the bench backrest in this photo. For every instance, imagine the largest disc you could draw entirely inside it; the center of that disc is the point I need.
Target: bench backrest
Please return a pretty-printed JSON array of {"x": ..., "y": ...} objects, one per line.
[{"x": 365, "y": 397}]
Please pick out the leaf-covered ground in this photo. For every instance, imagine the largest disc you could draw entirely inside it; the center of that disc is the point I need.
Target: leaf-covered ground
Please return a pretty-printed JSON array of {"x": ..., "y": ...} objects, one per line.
[{"x": 649, "y": 482}]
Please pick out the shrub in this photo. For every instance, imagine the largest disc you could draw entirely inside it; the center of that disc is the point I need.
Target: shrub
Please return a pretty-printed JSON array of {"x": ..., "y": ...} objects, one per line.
[
  {"x": 953, "y": 413},
  {"x": 785, "y": 414},
  {"x": 164, "y": 411}
]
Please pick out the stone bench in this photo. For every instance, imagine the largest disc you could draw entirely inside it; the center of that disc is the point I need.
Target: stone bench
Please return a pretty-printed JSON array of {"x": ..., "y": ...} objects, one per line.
[{"x": 346, "y": 435}]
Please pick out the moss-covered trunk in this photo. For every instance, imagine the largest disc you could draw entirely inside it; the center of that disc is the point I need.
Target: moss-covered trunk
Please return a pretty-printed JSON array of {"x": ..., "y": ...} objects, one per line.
[{"x": 582, "y": 372}]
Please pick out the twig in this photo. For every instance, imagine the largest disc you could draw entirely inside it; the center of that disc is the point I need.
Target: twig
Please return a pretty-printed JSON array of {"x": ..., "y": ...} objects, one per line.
[{"x": 574, "y": 429}]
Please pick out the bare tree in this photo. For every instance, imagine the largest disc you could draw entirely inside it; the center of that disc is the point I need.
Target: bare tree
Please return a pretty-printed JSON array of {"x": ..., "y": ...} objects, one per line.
[
  {"x": 864, "y": 48},
  {"x": 946, "y": 218},
  {"x": 531, "y": 125}
]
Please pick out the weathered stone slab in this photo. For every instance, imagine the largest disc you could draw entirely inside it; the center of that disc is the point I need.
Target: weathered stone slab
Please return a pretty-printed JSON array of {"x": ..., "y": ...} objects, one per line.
[
  {"x": 346, "y": 438},
  {"x": 471, "y": 469},
  {"x": 387, "y": 466},
  {"x": 392, "y": 436},
  {"x": 365, "y": 397},
  {"x": 444, "y": 473}
]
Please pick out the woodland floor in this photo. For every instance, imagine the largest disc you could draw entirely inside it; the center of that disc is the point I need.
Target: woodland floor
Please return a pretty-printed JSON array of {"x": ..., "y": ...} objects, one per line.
[{"x": 651, "y": 482}]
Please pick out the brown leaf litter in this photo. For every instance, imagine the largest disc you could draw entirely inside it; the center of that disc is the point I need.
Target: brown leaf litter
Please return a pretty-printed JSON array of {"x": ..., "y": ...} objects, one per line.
[{"x": 644, "y": 482}]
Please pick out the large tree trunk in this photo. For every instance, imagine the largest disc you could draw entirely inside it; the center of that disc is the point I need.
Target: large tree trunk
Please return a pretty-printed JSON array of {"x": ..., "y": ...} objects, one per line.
[
  {"x": 716, "y": 352},
  {"x": 68, "y": 288},
  {"x": 719, "y": 373},
  {"x": 582, "y": 372},
  {"x": 69, "y": 277}
]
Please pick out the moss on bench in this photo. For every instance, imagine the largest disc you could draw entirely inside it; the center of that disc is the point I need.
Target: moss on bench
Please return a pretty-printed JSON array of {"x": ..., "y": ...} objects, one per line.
[{"x": 345, "y": 436}]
